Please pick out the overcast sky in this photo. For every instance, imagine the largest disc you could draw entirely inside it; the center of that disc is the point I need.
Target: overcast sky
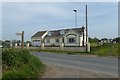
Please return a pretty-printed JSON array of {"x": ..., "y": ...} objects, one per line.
[{"x": 38, "y": 16}]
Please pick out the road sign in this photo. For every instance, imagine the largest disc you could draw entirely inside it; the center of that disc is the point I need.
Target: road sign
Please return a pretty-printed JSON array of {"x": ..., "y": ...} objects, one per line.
[
  {"x": 22, "y": 38},
  {"x": 18, "y": 34}
]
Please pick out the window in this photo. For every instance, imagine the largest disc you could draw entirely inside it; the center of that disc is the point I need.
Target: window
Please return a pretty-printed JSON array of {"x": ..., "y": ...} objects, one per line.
[
  {"x": 49, "y": 33},
  {"x": 71, "y": 40},
  {"x": 36, "y": 40},
  {"x": 48, "y": 40},
  {"x": 57, "y": 40},
  {"x": 62, "y": 32}
]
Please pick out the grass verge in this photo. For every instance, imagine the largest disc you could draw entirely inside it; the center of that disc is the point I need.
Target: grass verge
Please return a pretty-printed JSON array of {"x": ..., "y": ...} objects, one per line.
[
  {"x": 105, "y": 50},
  {"x": 102, "y": 50},
  {"x": 20, "y": 63}
]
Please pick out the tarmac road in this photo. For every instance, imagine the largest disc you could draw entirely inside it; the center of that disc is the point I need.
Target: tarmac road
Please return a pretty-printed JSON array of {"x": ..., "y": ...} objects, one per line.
[{"x": 94, "y": 64}]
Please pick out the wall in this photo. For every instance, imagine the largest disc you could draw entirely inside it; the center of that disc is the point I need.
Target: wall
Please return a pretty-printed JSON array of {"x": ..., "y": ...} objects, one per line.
[{"x": 76, "y": 49}]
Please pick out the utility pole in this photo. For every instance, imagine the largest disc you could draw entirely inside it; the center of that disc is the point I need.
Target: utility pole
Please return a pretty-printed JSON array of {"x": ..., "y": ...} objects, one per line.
[{"x": 86, "y": 32}]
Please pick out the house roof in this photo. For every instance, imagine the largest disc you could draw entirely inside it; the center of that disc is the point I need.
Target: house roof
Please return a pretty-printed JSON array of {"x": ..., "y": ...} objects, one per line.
[
  {"x": 104, "y": 39},
  {"x": 56, "y": 33},
  {"x": 39, "y": 34}
]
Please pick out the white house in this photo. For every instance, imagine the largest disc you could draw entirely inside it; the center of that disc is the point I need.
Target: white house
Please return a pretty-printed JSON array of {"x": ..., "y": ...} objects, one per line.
[
  {"x": 67, "y": 37},
  {"x": 38, "y": 38}
]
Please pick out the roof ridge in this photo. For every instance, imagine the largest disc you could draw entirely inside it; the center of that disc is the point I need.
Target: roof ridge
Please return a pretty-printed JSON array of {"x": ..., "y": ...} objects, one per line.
[{"x": 64, "y": 29}]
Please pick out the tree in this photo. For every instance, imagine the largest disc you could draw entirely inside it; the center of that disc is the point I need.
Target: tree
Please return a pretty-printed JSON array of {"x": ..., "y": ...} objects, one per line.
[
  {"x": 18, "y": 41},
  {"x": 28, "y": 42},
  {"x": 117, "y": 39},
  {"x": 94, "y": 40},
  {"x": 6, "y": 43}
]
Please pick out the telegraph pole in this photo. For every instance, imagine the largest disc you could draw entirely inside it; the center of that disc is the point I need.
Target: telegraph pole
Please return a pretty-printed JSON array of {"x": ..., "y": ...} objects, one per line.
[{"x": 86, "y": 32}]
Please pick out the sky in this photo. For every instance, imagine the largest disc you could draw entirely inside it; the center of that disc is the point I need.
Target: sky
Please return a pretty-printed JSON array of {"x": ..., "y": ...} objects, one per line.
[{"x": 39, "y": 16}]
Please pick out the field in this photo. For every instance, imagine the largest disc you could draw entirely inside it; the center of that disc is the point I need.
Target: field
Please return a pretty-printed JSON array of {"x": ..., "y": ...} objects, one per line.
[{"x": 105, "y": 49}]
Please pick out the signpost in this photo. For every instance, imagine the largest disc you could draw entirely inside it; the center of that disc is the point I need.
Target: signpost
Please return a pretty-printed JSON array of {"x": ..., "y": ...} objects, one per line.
[{"x": 22, "y": 38}]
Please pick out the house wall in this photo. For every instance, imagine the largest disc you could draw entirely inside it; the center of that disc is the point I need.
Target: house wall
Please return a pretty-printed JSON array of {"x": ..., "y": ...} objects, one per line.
[
  {"x": 80, "y": 41},
  {"x": 36, "y": 43},
  {"x": 53, "y": 41},
  {"x": 81, "y": 38},
  {"x": 72, "y": 34}
]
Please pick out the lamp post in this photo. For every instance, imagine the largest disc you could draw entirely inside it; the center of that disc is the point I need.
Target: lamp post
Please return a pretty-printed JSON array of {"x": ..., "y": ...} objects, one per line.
[
  {"x": 75, "y": 10},
  {"x": 76, "y": 23}
]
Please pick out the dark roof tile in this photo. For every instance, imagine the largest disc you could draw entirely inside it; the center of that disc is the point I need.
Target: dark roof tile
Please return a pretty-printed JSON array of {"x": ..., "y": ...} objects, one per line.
[
  {"x": 56, "y": 32},
  {"x": 39, "y": 34}
]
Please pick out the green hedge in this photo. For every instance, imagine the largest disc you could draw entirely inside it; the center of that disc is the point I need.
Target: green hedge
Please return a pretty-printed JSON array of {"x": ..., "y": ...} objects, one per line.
[{"x": 20, "y": 63}]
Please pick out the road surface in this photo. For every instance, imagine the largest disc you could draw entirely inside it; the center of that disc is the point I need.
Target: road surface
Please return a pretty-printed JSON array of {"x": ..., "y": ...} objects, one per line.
[{"x": 94, "y": 64}]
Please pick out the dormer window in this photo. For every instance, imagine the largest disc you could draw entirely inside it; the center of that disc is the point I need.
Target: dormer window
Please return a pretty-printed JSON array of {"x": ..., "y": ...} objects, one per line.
[
  {"x": 62, "y": 32},
  {"x": 49, "y": 33}
]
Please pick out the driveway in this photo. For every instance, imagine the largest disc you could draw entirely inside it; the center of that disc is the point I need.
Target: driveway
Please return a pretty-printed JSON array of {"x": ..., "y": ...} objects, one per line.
[{"x": 90, "y": 66}]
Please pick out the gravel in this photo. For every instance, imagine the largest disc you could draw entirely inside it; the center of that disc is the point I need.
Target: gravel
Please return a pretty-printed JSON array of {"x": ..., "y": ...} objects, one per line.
[{"x": 56, "y": 71}]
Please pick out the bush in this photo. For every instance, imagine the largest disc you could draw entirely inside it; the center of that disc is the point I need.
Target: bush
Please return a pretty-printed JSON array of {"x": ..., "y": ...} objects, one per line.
[{"x": 20, "y": 63}]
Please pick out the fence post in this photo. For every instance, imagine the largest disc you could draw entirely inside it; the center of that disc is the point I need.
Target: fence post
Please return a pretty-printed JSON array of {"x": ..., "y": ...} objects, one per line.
[
  {"x": 16, "y": 45},
  {"x": 11, "y": 44},
  {"x": 88, "y": 47},
  {"x": 27, "y": 45},
  {"x": 62, "y": 46},
  {"x": 42, "y": 46}
]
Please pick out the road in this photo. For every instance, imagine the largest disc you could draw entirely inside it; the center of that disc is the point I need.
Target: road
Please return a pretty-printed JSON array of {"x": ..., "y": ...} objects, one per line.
[{"x": 93, "y": 64}]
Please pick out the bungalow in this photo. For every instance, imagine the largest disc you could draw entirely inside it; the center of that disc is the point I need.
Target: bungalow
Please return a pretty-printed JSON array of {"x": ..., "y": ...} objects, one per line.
[
  {"x": 67, "y": 37},
  {"x": 38, "y": 38}
]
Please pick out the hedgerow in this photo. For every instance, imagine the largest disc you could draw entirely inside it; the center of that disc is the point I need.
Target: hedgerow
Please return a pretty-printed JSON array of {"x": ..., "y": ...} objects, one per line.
[{"x": 20, "y": 63}]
